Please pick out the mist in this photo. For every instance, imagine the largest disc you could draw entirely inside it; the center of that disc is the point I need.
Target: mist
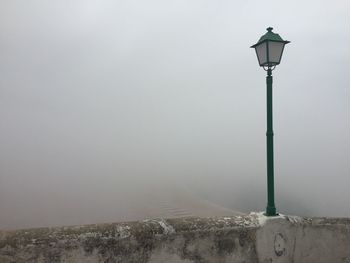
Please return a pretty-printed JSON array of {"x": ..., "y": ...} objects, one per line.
[{"x": 109, "y": 109}]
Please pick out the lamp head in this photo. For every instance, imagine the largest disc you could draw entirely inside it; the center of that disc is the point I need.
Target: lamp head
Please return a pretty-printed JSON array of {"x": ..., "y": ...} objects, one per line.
[{"x": 269, "y": 49}]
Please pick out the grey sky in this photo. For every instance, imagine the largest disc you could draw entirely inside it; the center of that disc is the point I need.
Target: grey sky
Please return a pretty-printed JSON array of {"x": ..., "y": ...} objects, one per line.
[{"x": 104, "y": 97}]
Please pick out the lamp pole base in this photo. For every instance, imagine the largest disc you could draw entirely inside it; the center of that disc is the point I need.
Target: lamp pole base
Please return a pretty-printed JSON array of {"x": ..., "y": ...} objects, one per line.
[{"x": 271, "y": 211}]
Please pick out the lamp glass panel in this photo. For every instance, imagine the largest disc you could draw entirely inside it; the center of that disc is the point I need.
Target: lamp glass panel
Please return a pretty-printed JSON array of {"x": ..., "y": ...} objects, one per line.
[
  {"x": 275, "y": 51},
  {"x": 261, "y": 52}
]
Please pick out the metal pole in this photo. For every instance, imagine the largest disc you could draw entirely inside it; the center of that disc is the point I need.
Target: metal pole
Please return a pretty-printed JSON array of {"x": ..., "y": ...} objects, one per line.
[{"x": 270, "y": 209}]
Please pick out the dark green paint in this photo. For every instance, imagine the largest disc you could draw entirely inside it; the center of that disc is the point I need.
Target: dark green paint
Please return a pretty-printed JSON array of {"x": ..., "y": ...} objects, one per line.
[
  {"x": 270, "y": 36},
  {"x": 270, "y": 209}
]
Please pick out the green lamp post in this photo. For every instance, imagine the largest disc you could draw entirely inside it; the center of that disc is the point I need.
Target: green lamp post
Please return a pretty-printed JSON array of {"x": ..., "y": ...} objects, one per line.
[{"x": 269, "y": 50}]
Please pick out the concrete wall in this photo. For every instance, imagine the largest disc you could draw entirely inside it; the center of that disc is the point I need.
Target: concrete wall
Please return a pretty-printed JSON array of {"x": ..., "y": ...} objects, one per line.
[{"x": 250, "y": 238}]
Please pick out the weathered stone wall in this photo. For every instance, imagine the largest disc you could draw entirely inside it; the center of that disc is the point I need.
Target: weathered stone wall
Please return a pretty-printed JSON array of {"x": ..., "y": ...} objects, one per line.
[{"x": 250, "y": 238}]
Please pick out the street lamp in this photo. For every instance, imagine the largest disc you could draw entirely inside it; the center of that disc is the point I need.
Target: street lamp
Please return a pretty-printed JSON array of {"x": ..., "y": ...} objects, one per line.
[{"x": 269, "y": 50}]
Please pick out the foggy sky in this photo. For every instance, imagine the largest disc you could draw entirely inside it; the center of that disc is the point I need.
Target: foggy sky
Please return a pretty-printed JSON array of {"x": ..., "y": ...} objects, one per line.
[{"x": 102, "y": 99}]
